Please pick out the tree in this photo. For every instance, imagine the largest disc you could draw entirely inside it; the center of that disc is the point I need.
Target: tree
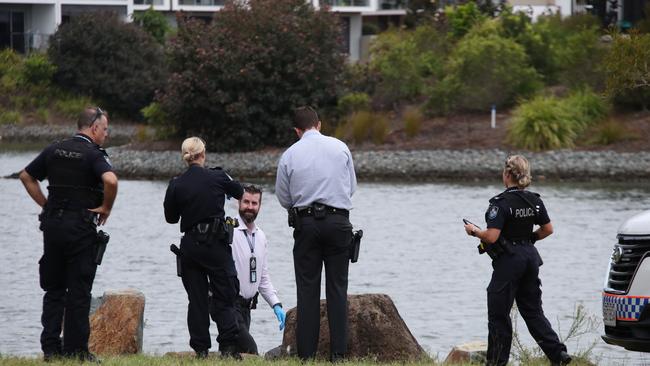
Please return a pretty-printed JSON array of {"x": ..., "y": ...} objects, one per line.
[
  {"x": 118, "y": 63},
  {"x": 153, "y": 22},
  {"x": 628, "y": 69},
  {"x": 236, "y": 80}
]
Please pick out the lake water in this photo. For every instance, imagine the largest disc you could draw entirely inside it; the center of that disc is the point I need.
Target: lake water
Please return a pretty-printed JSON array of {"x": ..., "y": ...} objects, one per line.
[{"x": 414, "y": 249}]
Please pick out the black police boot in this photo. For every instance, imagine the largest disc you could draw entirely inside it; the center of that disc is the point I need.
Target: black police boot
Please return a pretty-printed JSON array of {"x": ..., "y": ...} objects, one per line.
[
  {"x": 230, "y": 352},
  {"x": 52, "y": 356},
  {"x": 203, "y": 354},
  {"x": 337, "y": 358},
  {"x": 87, "y": 357},
  {"x": 565, "y": 359}
]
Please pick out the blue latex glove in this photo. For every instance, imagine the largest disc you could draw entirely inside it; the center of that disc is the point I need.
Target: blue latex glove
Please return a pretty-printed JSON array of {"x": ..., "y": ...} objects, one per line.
[{"x": 280, "y": 314}]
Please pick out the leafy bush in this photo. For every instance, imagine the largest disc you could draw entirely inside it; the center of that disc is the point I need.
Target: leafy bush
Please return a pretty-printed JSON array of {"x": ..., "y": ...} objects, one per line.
[
  {"x": 463, "y": 17},
  {"x": 609, "y": 132},
  {"x": 37, "y": 69},
  {"x": 628, "y": 74},
  {"x": 154, "y": 23},
  {"x": 71, "y": 106},
  {"x": 412, "y": 121},
  {"x": 550, "y": 123},
  {"x": 542, "y": 123},
  {"x": 237, "y": 80},
  {"x": 42, "y": 115},
  {"x": 8, "y": 117},
  {"x": 484, "y": 70},
  {"x": 587, "y": 107},
  {"x": 363, "y": 126},
  {"x": 407, "y": 61},
  {"x": 353, "y": 102},
  {"x": 97, "y": 54}
]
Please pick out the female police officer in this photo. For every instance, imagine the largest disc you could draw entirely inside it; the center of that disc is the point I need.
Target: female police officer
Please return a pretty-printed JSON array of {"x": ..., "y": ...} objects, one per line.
[
  {"x": 196, "y": 198},
  {"x": 509, "y": 238}
]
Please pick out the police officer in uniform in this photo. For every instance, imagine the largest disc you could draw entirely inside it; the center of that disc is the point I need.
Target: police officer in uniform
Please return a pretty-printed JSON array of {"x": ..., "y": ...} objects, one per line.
[
  {"x": 315, "y": 182},
  {"x": 510, "y": 241},
  {"x": 196, "y": 198},
  {"x": 82, "y": 189}
]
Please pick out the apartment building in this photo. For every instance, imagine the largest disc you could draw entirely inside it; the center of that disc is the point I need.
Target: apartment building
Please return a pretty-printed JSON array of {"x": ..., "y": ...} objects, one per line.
[{"x": 27, "y": 24}]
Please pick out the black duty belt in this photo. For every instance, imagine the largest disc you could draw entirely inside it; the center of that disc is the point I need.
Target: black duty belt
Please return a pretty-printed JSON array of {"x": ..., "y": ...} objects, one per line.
[
  {"x": 247, "y": 303},
  {"x": 519, "y": 242},
  {"x": 309, "y": 211}
]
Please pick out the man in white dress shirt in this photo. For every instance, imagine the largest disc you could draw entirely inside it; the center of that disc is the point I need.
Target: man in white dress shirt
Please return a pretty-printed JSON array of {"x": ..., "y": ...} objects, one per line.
[{"x": 249, "y": 251}]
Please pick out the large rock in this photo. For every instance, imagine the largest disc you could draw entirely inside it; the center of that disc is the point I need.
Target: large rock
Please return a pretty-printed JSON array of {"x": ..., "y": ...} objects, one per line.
[
  {"x": 472, "y": 352},
  {"x": 376, "y": 330},
  {"x": 117, "y": 324}
]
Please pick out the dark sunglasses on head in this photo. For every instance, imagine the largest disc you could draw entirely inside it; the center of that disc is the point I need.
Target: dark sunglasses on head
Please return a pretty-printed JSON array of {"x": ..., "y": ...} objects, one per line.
[{"x": 98, "y": 113}]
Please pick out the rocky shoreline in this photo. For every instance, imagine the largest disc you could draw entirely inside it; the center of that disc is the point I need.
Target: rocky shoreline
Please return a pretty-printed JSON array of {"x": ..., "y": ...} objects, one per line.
[{"x": 417, "y": 165}]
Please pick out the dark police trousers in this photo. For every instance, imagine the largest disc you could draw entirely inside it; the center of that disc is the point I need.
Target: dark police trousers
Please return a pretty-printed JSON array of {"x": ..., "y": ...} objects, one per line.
[
  {"x": 515, "y": 277},
  {"x": 208, "y": 266},
  {"x": 319, "y": 241},
  {"x": 246, "y": 342},
  {"x": 67, "y": 271}
]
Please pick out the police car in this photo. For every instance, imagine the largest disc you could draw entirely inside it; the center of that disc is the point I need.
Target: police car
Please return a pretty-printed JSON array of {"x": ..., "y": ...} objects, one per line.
[{"x": 626, "y": 293}]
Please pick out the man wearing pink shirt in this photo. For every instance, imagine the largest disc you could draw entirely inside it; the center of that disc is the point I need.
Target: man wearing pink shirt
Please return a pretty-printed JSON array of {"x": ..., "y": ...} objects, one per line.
[{"x": 249, "y": 251}]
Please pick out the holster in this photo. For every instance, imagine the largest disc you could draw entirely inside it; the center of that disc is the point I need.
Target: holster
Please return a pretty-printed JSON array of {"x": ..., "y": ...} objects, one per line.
[
  {"x": 101, "y": 242},
  {"x": 355, "y": 246},
  {"x": 294, "y": 218},
  {"x": 179, "y": 266},
  {"x": 494, "y": 250}
]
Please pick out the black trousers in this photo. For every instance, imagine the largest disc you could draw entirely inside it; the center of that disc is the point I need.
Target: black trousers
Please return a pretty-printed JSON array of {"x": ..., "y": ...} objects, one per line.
[
  {"x": 67, "y": 271},
  {"x": 319, "y": 241},
  {"x": 515, "y": 278},
  {"x": 246, "y": 342},
  {"x": 200, "y": 279}
]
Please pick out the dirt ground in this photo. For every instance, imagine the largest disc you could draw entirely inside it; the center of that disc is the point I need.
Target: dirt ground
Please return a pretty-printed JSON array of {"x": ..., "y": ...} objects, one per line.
[{"x": 472, "y": 131}]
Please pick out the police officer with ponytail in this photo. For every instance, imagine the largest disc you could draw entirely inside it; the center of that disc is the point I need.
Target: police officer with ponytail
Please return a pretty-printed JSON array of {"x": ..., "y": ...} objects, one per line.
[
  {"x": 82, "y": 189},
  {"x": 196, "y": 198},
  {"x": 511, "y": 218}
]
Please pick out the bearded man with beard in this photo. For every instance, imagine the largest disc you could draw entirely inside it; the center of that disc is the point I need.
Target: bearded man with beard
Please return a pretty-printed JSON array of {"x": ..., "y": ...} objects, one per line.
[{"x": 249, "y": 251}]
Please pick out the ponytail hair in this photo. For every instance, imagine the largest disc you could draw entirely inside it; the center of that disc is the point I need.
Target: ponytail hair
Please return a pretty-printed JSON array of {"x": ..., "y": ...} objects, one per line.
[
  {"x": 518, "y": 168},
  {"x": 192, "y": 148}
]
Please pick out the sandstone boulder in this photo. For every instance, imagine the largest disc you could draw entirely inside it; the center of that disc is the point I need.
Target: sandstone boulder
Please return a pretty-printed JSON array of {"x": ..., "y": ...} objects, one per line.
[
  {"x": 376, "y": 330},
  {"x": 116, "y": 326},
  {"x": 474, "y": 352}
]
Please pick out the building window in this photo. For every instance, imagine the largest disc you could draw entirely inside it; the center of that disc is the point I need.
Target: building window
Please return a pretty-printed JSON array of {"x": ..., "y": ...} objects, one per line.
[
  {"x": 148, "y": 2},
  {"x": 345, "y": 2},
  {"x": 12, "y": 30},
  {"x": 202, "y": 2},
  {"x": 392, "y": 4}
]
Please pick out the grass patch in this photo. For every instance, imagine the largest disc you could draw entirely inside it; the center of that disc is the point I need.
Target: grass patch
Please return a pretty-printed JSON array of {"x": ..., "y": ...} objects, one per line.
[
  {"x": 548, "y": 122},
  {"x": 71, "y": 106},
  {"x": 364, "y": 126},
  {"x": 412, "y": 121},
  {"x": 9, "y": 117},
  {"x": 609, "y": 132}
]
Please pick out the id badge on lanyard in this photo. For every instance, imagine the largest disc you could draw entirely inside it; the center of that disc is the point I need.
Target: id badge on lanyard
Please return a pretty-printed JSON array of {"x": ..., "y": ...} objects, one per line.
[{"x": 252, "y": 262}]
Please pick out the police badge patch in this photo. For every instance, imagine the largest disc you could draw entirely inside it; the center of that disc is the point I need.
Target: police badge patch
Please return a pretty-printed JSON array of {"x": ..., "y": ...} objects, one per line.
[{"x": 492, "y": 212}]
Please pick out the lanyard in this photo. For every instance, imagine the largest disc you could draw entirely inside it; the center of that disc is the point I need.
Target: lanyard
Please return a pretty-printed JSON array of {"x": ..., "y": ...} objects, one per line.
[{"x": 251, "y": 243}]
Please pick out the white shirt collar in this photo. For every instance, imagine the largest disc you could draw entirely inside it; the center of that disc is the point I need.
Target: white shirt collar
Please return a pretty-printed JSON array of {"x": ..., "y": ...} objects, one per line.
[{"x": 311, "y": 132}]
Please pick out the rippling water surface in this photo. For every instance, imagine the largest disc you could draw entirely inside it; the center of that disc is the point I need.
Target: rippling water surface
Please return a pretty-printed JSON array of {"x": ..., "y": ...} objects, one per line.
[{"x": 414, "y": 249}]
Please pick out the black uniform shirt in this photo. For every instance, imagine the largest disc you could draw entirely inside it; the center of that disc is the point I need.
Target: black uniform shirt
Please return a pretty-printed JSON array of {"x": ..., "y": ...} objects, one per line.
[
  {"x": 74, "y": 168},
  {"x": 198, "y": 195},
  {"x": 514, "y": 212}
]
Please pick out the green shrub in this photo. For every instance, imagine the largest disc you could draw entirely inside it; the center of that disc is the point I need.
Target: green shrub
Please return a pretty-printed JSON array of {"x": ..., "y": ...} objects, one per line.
[
  {"x": 609, "y": 132},
  {"x": 237, "y": 80},
  {"x": 42, "y": 115},
  {"x": 463, "y": 17},
  {"x": 38, "y": 70},
  {"x": 71, "y": 106},
  {"x": 412, "y": 121},
  {"x": 628, "y": 74},
  {"x": 8, "y": 117},
  {"x": 155, "y": 116},
  {"x": 153, "y": 22},
  {"x": 482, "y": 71},
  {"x": 363, "y": 126},
  {"x": 9, "y": 59},
  {"x": 118, "y": 63},
  {"x": 407, "y": 61},
  {"x": 353, "y": 102},
  {"x": 542, "y": 123},
  {"x": 588, "y": 107}
]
